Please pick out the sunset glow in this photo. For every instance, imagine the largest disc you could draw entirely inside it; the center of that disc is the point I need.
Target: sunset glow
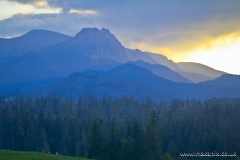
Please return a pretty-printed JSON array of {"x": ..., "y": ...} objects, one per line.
[
  {"x": 9, "y": 9},
  {"x": 221, "y": 53}
]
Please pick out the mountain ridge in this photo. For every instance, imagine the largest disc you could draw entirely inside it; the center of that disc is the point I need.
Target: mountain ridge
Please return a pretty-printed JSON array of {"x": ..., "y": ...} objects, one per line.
[
  {"x": 200, "y": 69},
  {"x": 128, "y": 79},
  {"x": 34, "y": 40},
  {"x": 94, "y": 49}
]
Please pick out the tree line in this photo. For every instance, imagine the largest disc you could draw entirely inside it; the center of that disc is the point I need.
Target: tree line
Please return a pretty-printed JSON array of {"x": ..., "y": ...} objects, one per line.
[{"x": 119, "y": 128}]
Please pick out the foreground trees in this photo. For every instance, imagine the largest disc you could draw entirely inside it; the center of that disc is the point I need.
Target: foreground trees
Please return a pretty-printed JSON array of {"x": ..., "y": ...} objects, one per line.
[
  {"x": 152, "y": 137},
  {"x": 96, "y": 141},
  {"x": 123, "y": 128}
]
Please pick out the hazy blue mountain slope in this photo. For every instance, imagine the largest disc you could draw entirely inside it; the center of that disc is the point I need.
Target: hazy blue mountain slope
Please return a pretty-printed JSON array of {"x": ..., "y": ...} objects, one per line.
[
  {"x": 98, "y": 49},
  {"x": 163, "y": 60},
  {"x": 200, "y": 69},
  {"x": 192, "y": 76},
  {"x": 195, "y": 77},
  {"x": 135, "y": 81},
  {"x": 94, "y": 43},
  {"x": 35, "y": 40},
  {"x": 43, "y": 38},
  {"x": 33, "y": 67},
  {"x": 53, "y": 61},
  {"x": 10, "y": 48},
  {"x": 162, "y": 71},
  {"x": 138, "y": 75},
  {"x": 30, "y": 66},
  {"x": 226, "y": 80},
  {"x": 84, "y": 83},
  {"x": 136, "y": 55},
  {"x": 28, "y": 86}
]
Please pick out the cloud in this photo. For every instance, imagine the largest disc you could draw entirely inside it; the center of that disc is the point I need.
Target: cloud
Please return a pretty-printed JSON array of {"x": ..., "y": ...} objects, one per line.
[
  {"x": 10, "y": 8},
  {"x": 40, "y": 3},
  {"x": 65, "y": 23},
  {"x": 84, "y": 12}
]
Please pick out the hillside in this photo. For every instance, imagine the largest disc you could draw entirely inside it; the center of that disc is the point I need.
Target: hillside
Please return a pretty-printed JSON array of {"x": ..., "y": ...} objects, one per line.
[
  {"x": 226, "y": 80},
  {"x": 43, "y": 38},
  {"x": 35, "y": 40},
  {"x": 161, "y": 71},
  {"x": 132, "y": 80},
  {"x": 18, "y": 155},
  {"x": 199, "y": 69}
]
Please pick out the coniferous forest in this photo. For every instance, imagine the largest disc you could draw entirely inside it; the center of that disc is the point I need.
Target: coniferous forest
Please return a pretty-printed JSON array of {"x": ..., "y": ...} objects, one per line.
[{"x": 119, "y": 128}]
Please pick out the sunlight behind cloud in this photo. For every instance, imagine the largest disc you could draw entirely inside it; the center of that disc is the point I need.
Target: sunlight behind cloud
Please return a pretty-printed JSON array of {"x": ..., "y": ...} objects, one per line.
[
  {"x": 9, "y": 9},
  {"x": 221, "y": 53},
  {"x": 40, "y": 3},
  {"x": 224, "y": 56},
  {"x": 83, "y": 12}
]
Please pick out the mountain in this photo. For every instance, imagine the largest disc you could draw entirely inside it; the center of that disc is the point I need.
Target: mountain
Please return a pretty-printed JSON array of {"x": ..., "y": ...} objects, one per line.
[
  {"x": 10, "y": 48},
  {"x": 226, "y": 80},
  {"x": 42, "y": 38},
  {"x": 86, "y": 83},
  {"x": 200, "y": 69},
  {"x": 90, "y": 51},
  {"x": 163, "y": 60},
  {"x": 29, "y": 86},
  {"x": 94, "y": 43},
  {"x": 35, "y": 40},
  {"x": 128, "y": 79},
  {"x": 136, "y": 55},
  {"x": 30, "y": 66},
  {"x": 54, "y": 61},
  {"x": 162, "y": 71},
  {"x": 192, "y": 76},
  {"x": 195, "y": 77},
  {"x": 35, "y": 66}
]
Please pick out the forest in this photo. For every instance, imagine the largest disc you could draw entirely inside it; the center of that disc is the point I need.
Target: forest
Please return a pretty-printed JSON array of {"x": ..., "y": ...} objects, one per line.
[{"x": 123, "y": 128}]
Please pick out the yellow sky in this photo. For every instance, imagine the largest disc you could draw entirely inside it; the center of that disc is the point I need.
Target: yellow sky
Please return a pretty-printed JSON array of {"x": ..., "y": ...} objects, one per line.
[{"x": 221, "y": 51}]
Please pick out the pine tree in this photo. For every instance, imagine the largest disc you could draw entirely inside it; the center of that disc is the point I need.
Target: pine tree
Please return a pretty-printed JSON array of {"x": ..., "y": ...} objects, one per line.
[
  {"x": 95, "y": 141},
  {"x": 114, "y": 143},
  {"x": 173, "y": 149},
  {"x": 152, "y": 138}
]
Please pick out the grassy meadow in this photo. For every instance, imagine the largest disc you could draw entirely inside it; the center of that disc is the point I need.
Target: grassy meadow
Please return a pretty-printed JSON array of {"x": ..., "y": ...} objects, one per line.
[{"x": 18, "y": 155}]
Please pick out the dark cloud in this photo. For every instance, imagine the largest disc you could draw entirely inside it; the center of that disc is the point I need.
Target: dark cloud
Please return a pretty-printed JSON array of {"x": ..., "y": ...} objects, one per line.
[
  {"x": 68, "y": 24},
  {"x": 157, "y": 21}
]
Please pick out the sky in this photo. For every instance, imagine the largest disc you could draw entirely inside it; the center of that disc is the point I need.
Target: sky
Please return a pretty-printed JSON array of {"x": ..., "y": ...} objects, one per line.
[{"x": 205, "y": 31}]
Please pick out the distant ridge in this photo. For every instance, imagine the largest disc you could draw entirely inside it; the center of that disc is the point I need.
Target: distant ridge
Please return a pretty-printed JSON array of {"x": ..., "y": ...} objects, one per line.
[
  {"x": 192, "y": 76},
  {"x": 131, "y": 80},
  {"x": 200, "y": 69},
  {"x": 35, "y": 40},
  {"x": 43, "y": 38},
  {"x": 226, "y": 80},
  {"x": 161, "y": 71}
]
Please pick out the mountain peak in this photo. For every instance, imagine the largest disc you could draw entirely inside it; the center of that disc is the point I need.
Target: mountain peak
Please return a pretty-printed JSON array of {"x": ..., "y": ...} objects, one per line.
[
  {"x": 42, "y": 38},
  {"x": 95, "y": 43},
  {"x": 92, "y": 31},
  {"x": 87, "y": 31},
  {"x": 105, "y": 31}
]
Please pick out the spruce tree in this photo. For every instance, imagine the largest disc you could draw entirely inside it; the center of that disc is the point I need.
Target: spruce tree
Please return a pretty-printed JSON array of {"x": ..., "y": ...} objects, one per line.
[
  {"x": 95, "y": 142},
  {"x": 152, "y": 137}
]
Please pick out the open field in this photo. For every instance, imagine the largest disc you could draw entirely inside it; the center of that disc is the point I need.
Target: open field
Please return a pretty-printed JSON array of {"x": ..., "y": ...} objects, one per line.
[{"x": 18, "y": 155}]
